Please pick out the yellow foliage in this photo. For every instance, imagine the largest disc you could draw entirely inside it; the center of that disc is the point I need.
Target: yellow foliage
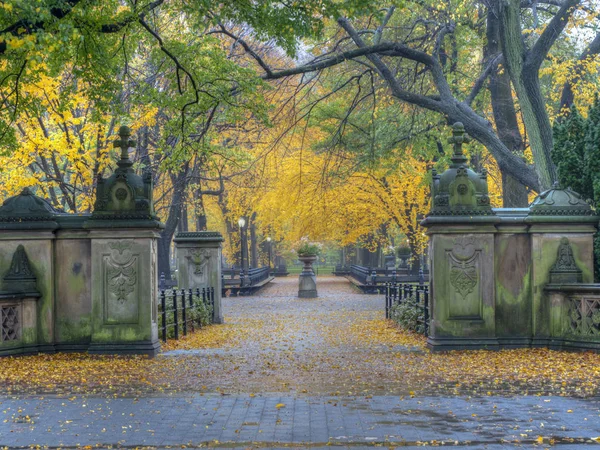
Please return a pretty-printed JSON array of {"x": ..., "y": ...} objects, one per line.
[{"x": 61, "y": 150}]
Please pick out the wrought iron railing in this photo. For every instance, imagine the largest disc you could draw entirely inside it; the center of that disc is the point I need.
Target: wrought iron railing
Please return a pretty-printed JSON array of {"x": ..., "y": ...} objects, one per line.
[
  {"x": 181, "y": 311},
  {"x": 376, "y": 279},
  {"x": 258, "y": 275},
  {"x": 360, "y": 273},
  {"x": 418, "y": 294}
]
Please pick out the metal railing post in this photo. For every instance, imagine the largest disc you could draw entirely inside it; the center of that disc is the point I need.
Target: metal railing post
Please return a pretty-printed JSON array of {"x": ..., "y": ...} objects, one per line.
[
  {"x": 387, "y": 300},
  {"x": 175, "y": 315},
  {"x": 426, "y": 314},
  {"x": 198, "y": 299},
  {"x": 184, "y": 312},
  {"x": 163, "y": 305}
]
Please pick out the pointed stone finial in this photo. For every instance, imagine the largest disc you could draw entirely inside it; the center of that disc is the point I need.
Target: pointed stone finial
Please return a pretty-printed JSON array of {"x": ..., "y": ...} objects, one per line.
[
  {"x": 124, "y": 143},
  {"x": 459, "y": 137}
]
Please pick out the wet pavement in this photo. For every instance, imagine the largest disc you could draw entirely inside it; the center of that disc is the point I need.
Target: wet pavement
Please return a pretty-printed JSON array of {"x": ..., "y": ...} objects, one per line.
[
  {"x": 271, "y": 420},
  {"x": 289, "y": 372}
]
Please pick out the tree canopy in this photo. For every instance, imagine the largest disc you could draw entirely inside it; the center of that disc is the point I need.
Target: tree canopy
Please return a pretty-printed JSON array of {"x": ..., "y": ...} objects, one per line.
[{"x": 249, "y": 107}]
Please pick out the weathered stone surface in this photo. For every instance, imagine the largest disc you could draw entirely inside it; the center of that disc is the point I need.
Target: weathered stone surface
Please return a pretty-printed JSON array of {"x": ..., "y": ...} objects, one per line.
[
  {"x": 20, "y": 277},
  {"x": 74, "y": 290},
  {"x": 307, "y": 287},
  {"x": 560, "y": 203},
  {"x": 35, "y": 309},
  {"x": 462, "y": 292},
  {"x": 513, "y": 290},
  {"x": 124, "y": 281},
  {"x": 307, "y": 282},
  {"x": 125, "y": 199},
  {"x": 459, "y": 191},
  {"x": 497, "y": 288},
  {"x": 199, "y": 264},
  {"x": 94, "y": 286},
  {"x": 27, "y": 211}
]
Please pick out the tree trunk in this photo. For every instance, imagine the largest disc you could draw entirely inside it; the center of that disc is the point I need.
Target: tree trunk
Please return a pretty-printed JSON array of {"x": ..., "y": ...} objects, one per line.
[
  {"x": 514, "y": 193},
  {"x": 166, "y": 235},
  {"x": 231, "y": 231},
  {"x": 183, "y": 220},
  {"x": 525, "y": 79},
  {"x": 201, "y": 221}
]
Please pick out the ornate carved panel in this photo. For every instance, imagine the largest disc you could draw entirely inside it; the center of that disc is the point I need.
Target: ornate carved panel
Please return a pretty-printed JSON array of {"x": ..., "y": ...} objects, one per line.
[
  {"x": 121, "y": 277},
  {"x": 10, "y": 322},
  {"x": 584, "y": 315},
  {"x": 565, "y": 268},
  {"x": 198, "y": 259},
  {"x": 464, "y": 272}
]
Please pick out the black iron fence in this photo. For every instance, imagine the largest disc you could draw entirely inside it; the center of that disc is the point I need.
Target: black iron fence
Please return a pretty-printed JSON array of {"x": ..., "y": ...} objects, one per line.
[
  {"x": 360, "y": 273},
  {"x": 181, "y": 311},
  {"x": 259, "y": 274},
  {"x": 240, "y": 282},
  {"x": 374, "y": 280},
  {"x": 411, "y": 295}
]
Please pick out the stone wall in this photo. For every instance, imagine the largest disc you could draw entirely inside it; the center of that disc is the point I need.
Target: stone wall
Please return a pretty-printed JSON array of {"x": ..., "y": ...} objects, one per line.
[
  {"x": 507, "y": 277},
  {"x": 91, "y": 279}
]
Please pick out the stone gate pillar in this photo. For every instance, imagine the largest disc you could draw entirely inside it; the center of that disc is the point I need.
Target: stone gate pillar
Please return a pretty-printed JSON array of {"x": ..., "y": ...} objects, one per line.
[
  {"x": 124, "y": 231},
  {"x": 199, "y": 263},
  {"x": 461, "y": 251},
  {"x": 27, "y": 267},
  {"x": 562, "y": 227}
]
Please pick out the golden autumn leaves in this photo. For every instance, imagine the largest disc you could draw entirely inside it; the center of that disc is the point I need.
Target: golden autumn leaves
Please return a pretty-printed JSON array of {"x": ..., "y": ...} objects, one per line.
[{"x": 370, "y": 357}]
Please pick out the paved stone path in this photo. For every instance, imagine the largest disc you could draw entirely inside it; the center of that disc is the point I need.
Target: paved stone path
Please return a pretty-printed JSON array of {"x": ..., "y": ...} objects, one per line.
[
  {"x": 247, "y": 421},
  {"x": 313, "y": 346},
  {"x": 303, "y": 374}
]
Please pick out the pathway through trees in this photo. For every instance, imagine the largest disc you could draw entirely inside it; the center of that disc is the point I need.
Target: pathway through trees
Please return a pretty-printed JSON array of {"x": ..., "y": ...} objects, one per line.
[
  {"x": 275, "y": 343},
  {"x": 281, "y": 343}
]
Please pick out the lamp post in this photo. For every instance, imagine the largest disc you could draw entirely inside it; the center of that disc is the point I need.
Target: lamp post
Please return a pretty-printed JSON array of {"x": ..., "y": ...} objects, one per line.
[
  {"x": 269, "y": 251},
  {"x": 243, "y": 251}
]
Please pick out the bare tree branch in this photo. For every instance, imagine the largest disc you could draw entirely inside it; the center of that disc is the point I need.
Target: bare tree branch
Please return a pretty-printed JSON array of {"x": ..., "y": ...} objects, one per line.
[{"x": 542, "y": 46}]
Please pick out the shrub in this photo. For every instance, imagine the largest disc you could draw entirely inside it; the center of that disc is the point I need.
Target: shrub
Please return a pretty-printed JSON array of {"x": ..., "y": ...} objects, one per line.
[
  {"x": 198, "y": 316},
  {"x": 408, "y": 314},
  {"x": 308, "y": 249}
]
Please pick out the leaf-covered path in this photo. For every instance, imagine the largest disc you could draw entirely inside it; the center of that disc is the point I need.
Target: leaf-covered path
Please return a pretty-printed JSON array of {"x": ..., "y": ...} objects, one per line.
[
  {"x": 280, "y": 343},
  {"x": 291, "y": 372},
  {"x": 337, "y": 344}
]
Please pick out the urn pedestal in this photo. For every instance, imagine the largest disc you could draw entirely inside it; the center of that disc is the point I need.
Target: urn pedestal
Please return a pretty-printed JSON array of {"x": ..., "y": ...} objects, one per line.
[{"x": 307, "y": 287}]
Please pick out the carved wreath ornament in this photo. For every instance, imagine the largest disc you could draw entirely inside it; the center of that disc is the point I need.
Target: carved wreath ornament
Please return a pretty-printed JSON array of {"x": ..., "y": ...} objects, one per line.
[
  {"x": 463, "y": 271},
  {"x": 199, "y": 259},
  {"x": 122, "y": 276}
]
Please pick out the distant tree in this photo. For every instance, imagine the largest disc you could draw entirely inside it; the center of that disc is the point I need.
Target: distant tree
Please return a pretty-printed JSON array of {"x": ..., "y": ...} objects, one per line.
[
  {"x": 576, "y": 154},
  {"x": 569, "y": 153}
]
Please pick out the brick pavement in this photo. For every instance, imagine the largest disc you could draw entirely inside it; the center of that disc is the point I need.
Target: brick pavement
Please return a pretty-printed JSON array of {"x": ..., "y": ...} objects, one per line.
[{"x": 244, "y": 421}]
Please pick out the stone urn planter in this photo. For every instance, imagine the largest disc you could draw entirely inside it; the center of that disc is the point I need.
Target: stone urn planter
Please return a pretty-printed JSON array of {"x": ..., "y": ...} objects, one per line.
[{"x": 307, "y": 287}]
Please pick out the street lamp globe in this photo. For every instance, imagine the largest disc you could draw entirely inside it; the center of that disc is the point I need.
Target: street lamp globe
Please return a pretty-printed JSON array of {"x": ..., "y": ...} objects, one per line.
[
  {"x": 268, "y": 238},
  {"x": 241, "y": 222}
]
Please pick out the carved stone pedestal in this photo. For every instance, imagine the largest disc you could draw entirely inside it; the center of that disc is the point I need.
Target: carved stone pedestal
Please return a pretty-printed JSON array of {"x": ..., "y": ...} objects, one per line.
[
  {"x": 307, "y": 286},
  {"x": 124, "y": 296},
  {"x": 124, "y": 230},
  {"x": 199, "y": 264}
]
